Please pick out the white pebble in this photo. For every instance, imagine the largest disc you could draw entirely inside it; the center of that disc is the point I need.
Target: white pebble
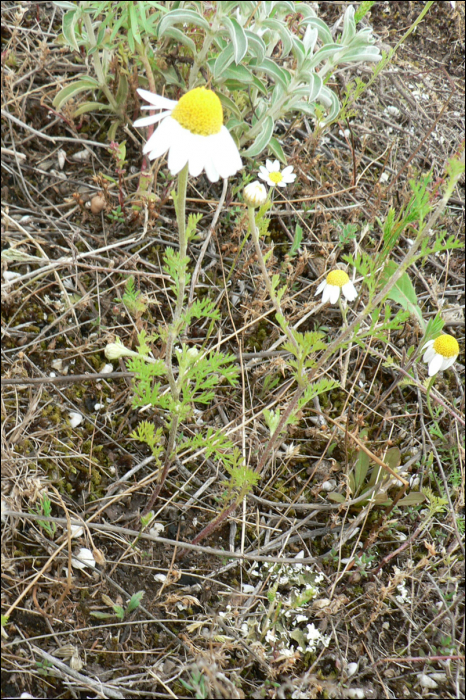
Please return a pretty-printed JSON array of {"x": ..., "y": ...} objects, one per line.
[
  {"x": 426, "y": 681},
  {"x": 87, "y": 558},
  {"x": 61, "y": 157},
  {"x": 75, "y": 419},
  {"x": 76, "y": 531},
  {"x": 9, "y": 275},
  {"x": 81, "y": 156}
]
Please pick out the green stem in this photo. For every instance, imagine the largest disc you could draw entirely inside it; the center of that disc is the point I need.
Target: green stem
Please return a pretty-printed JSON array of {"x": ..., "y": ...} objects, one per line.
[
  {"x": 343, "y": 311},
  {"x": 429, "y": 406},
  {"x": 268, "y": 283},
  {"x": 145, "y": 176},
  {"x": 173, "y": 331}
]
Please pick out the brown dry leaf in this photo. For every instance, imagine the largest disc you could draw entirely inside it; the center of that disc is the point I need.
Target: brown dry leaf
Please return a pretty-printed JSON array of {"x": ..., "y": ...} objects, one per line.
[
  {"x": 185, "y": 600},
  {"x": 430, "y": 548}
]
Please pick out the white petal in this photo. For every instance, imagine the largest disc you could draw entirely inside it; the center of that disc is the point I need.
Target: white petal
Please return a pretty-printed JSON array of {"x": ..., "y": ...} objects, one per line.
[
  {"x": 206, "y": 156},
  {"x": 226, "y": 156},
  {"x": 179, "y": 151},
  {"x": 334, "y": 293},
  {"x": 276, "y": 166},
  {"x": 349, "y": 291},
  {"x": 435, "y": 365},
  {"x": 448, "y": 362},
  {"x": 429, "y": 354},
  {"x": 321, "y": 287},
  {"x": 210, "y": 169},
  {"x": 157, "y": 100},
  {"x": 327, "y": 293},
  {"x": 288, "y": 178},
  {"x": 197, "y": 155},
  {"x": 161, "y": 139},
  {"x": 281, "y": 184},
  {"x": 153, "y": 119},
  {"x": 287, "y": 170},
  {"x": 266, "y": 178},
  {"x": 269, "y": 165}
]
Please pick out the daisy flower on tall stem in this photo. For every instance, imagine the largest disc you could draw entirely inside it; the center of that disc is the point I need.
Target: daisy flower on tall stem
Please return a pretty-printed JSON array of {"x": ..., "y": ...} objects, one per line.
[{"x": 191, "y": 130}]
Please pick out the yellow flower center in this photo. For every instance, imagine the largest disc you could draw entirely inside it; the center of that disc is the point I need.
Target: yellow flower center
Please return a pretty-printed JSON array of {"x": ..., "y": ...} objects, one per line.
[
  {"x": 276, "y": 177},
  {"x": 337, "y": 278},
  {"x": 446, "y": 346},
  {"x": 200, "y": 112}
]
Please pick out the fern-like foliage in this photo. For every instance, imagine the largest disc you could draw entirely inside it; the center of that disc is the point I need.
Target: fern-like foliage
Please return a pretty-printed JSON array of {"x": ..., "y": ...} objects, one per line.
[
  {"x": 132, "y": 298},
  {"x": 191, "y": 226},
  {"x": 145, "y": 390},
  {"x": 206, "y": 374},
  {"x": 200, "y": 308},
  {"x": 242, "y": 478},
  {"x": 214, "y": 443},
  {"x": 146, "y": 432},
  {"x": 176, "y": 267}
]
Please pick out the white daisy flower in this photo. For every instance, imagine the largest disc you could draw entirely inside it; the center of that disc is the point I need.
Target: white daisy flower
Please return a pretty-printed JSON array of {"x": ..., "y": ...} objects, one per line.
[
  {"x": 255, "y": 194},
  {"x": 192, "y": 131},
  {"x": 441, "y": 353},
  {"x": 336, "y": 281},
  {"x": 270, "y": 172}
]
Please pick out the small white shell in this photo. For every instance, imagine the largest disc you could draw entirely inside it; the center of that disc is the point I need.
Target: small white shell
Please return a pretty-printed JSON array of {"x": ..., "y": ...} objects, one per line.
[
  {"x": 87, "y": 559},
  {"x": 75, "y": 419},
  {"x": 426, "y": 682}
]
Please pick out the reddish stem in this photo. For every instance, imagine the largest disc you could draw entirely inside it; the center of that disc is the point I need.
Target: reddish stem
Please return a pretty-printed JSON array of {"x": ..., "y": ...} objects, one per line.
[{"x": 209, "y": 529}]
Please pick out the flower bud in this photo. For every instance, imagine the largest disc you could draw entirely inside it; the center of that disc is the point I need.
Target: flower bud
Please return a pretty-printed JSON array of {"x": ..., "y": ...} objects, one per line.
[
  {"x": 113, "y": 351},
  {"x": 255, "y": 194}
]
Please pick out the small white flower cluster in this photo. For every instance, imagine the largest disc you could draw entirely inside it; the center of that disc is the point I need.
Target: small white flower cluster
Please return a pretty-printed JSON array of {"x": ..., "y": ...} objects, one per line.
[
  {"x": 302, "y": 586},
  {"x": 403, "y": 593}
]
